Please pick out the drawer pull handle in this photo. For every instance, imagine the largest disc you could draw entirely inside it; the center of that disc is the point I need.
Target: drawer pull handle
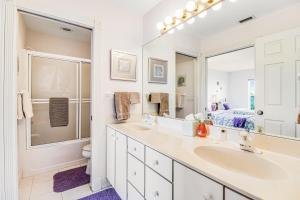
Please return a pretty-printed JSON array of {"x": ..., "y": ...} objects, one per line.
[
  {"x": 134, "y": 149},
  {"x": 134, "y": 173},
  {"x": 207, "y": 197},
  {"x": 156, "y": 194},
  {"x": 156, "y": 163}
]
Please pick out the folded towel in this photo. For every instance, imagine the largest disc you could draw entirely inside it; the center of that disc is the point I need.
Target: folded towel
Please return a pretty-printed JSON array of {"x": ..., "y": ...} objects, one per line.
[
  {"x": 122, "y": 105},
  {"x": 239, "y": 122},
  {"x": 27, "y": 105},
  {"x": 59, "y": 112},
  {"x": 164, "y": 104},
  {"x": 155, "y": 97},
  {"x": 134, "y": 97},
  {"x": 20, "y": 114},
  {"x": 162, "y": 99}
]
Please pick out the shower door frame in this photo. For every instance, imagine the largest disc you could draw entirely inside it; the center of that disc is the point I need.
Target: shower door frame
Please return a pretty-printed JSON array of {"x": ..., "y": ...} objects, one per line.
[{"x": 76, "y": 60}]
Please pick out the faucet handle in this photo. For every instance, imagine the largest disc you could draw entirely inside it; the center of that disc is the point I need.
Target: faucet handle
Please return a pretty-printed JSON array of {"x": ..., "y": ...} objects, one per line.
[{"x": 244, "y": 135}]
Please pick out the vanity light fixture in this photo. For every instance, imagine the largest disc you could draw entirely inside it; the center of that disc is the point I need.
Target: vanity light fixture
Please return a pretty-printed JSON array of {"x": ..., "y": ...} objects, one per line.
[{"x": 192, "y": 9}]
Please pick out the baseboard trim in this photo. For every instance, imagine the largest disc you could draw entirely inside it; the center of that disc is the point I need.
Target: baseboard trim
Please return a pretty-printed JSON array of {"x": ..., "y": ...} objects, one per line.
[{"x": 30, "y": 172}]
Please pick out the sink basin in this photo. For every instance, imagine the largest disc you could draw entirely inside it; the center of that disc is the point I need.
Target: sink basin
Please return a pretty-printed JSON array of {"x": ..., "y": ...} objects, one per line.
[{"x": 241, "y": 162}]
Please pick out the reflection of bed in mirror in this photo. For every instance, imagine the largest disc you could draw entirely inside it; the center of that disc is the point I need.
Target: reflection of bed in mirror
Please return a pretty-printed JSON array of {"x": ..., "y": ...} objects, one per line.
[{"x": 236, "y": 118}]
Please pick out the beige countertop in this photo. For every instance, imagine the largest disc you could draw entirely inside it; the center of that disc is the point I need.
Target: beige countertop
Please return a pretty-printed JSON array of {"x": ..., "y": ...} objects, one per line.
[{"x": 181, "y": 149}]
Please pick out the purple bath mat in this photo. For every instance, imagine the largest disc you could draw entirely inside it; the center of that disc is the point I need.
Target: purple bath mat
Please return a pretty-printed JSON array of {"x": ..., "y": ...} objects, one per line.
[
  {"x": 69, "y": 179},
  {"x": 109, "y": 194}
]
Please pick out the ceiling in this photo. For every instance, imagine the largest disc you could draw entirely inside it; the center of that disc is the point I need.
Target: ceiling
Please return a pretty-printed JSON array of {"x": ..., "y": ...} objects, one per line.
[
  {"x": 140, "y": 7},
  {"x": 231, "y": 13},
  {"x": 53, "y": 27},
  {"x": 234, "y": 61}
]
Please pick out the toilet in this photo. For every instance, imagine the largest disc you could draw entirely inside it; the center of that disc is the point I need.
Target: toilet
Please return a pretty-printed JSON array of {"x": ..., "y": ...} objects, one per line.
[{"x": 86, "y": 152}]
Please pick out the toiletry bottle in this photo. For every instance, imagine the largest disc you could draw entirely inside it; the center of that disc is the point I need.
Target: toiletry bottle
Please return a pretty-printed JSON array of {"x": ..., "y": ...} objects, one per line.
[{"x": 201, "y": 130}]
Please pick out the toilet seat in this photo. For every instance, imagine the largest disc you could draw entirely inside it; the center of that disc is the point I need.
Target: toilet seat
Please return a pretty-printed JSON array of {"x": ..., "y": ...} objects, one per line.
[{"x": 86, "y": 153}]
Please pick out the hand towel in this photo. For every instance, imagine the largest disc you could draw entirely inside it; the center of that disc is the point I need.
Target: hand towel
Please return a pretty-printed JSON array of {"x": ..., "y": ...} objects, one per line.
[
  {"x": 134, "y": 97},
  {"x": 122, "y": 105},
  {"x": 20, "y": 114},
  {"x": 59, "y": 112},
  {"x": 27, "y": 105},
  {"x": 164, "y": 104}
]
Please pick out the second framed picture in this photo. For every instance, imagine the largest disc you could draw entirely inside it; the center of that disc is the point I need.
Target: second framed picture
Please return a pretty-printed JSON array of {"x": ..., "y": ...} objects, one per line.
[{"x": 158, "y": 71}]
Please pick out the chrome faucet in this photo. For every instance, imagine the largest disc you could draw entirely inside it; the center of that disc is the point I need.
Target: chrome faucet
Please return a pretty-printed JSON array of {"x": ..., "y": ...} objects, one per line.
[{"x": 245, "y": 145}]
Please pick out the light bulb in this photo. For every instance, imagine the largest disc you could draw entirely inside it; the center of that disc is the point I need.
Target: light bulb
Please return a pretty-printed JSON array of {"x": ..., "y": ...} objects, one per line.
[
  {"x": 180, "y": 26},
  {"x": 232, "y": 0},
  {"x": 191, "y": 21},
  {"x": 171, "y": 31},
  {"x": 179, "y": 13},
  {"x": 204, "y": 1},
  {"x": 190, "y": 6},
  {"x": 217, "y": 6},
  {"x": 160, "y": 26},
  {"x": 168, "y": 20},
  {"x": 202, "y": 14}
]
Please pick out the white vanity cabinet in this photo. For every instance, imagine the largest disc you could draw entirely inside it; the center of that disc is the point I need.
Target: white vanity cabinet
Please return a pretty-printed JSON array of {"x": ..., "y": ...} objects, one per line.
[
  {"x": 191, "y": 185},
  {"x": 117, "y": 161},
  {"x": 138, "y": 172}
]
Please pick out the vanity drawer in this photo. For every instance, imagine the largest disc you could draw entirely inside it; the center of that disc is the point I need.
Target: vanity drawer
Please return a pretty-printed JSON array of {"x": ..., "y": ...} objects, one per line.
[
  {"x": 136, "y": 173},
  {"x": 157, "y": 187},
  {"x": 231, "y": 195},
  {"x": 159, "y": 163},
  {"x": 136, "y": 149},
  {"x": 133, "y": 194}
]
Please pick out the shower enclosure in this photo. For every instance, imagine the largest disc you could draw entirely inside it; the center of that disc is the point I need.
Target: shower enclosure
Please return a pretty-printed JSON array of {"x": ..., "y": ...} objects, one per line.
[{"x": 48, "y": 76}]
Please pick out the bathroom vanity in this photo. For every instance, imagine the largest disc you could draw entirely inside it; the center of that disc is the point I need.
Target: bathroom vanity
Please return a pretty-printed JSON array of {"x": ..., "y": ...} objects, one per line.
[{"x": 160, "y": 163}]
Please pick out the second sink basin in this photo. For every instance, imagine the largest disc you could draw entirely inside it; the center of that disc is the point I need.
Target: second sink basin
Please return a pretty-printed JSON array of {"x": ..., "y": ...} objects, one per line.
[{"x": 241, "y": 162}]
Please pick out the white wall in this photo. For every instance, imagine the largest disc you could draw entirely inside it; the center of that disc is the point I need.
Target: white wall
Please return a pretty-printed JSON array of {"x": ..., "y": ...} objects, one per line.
[
  {"x": 238, "y": 88},
  {"x": 38, "y": 41},
  {"x": 120, "y": 29},
  {"x": 214, "y": 76}
]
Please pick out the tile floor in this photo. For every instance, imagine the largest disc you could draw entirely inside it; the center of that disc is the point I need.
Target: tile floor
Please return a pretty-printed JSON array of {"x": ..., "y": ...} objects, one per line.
[{"x": 40, "y": 187}]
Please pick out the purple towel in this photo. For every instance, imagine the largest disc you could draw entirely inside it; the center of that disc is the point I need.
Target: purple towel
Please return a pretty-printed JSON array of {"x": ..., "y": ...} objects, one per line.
[{"x": 239, "y": 122}]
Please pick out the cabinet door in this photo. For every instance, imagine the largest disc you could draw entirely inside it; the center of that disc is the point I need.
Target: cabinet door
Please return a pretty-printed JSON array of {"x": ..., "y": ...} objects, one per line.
[
  {"x": 191, "y": 185},
  {"x": 110, "y": 155},
  {"x": 230, "y": 195},
  {"x": 121, "y": 165}
]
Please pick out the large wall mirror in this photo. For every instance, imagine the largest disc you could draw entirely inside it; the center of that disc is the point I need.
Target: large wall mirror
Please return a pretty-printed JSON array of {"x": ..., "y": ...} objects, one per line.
[{"x": 239, "y": 75}]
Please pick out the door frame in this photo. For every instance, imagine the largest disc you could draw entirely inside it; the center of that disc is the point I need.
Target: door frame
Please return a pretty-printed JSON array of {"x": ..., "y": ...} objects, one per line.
[
  {"x": 2, "y": 166},
  {"x": 9, "y": 190}
]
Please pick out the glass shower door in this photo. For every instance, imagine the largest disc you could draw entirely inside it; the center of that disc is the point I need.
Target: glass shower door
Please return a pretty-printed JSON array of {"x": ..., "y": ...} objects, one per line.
[{"x": 53, "y": 78}]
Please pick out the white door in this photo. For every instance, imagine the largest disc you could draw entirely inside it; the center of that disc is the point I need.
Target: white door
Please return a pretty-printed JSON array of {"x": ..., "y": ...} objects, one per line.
[
  {"x": 110, "y": 155},
  {"x": 277, "y": 66},
  {"x": 121, "y": 165}
]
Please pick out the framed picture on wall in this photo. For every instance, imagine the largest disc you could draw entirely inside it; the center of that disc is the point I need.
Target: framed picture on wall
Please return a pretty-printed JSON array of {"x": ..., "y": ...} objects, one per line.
[
  {"x": 123, "y": 66},
  {"x": 158, "y": 71},
  {"x": 181, "y": 81}
]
